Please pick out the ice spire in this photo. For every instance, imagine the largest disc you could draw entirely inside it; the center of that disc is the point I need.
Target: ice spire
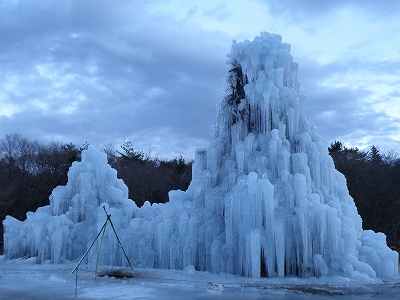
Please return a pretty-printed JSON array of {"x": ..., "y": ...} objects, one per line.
[{"x": 265, "y": 198}]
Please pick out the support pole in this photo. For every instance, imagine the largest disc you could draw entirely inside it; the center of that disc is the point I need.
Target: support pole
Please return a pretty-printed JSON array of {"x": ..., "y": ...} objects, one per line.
[
  {"x": 87, "y": 251},
  {"x": 76, "y": 283},
  {"x": 113, "y": 228},
  {"x": 102, "y": 231},
  {"x": 98, "y": 251}
]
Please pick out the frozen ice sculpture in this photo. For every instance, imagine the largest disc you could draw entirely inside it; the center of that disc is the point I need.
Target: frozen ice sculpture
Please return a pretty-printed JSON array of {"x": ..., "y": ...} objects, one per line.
[{"x": 265, "y": 198}]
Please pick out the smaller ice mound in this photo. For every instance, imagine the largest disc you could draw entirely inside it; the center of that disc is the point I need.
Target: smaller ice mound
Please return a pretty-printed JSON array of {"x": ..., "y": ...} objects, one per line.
[{"x": 66, "y": 228}]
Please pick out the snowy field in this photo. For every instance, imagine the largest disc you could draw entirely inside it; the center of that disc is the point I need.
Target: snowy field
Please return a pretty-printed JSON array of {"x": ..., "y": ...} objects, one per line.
[{"x": 22, "y": 279}]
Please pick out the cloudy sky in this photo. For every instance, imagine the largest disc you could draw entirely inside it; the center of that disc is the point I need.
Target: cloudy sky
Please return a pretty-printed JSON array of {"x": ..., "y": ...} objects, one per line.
[{"x": 151, "y": 72}]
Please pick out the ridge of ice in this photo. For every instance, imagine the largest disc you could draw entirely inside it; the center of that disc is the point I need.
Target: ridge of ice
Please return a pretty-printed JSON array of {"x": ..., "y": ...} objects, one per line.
[{"x": 265, "y": 198}]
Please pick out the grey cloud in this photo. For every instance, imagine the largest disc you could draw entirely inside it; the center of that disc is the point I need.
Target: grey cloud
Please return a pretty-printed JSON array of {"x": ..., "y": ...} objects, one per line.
[
  {"x": 219, "y": 12},
  {"x": 343, "y": 113},
  {"x": 339, "y": 112},
  {"x": 127, "y": 74},
  {"x": 146, "y": 81},
  {"x": 395, "y": 93},
  {"x": 311, "y": 10}
]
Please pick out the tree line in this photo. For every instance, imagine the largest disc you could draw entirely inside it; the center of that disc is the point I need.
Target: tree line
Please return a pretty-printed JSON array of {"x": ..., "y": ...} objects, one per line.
[
  {"x": 373, "y": 180},
  {"x": 30, "y": 170}
]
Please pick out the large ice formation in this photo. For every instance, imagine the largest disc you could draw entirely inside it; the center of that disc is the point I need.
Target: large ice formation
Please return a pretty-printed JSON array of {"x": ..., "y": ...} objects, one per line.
[{"x": 265, "y": 198}]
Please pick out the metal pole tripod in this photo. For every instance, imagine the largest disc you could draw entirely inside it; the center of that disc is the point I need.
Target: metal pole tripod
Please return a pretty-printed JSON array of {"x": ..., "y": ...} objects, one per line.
[{"x": 102, "y": 231}]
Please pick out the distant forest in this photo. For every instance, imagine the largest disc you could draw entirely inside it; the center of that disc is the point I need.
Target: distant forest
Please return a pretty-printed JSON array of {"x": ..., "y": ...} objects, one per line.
[
  {"x": 30, "y": 170},
  {"x": 373, "y": 180}
]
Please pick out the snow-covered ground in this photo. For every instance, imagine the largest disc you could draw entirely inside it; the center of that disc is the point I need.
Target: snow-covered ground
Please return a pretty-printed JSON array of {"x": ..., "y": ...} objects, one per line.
[{"x": 23, "y": 279}]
